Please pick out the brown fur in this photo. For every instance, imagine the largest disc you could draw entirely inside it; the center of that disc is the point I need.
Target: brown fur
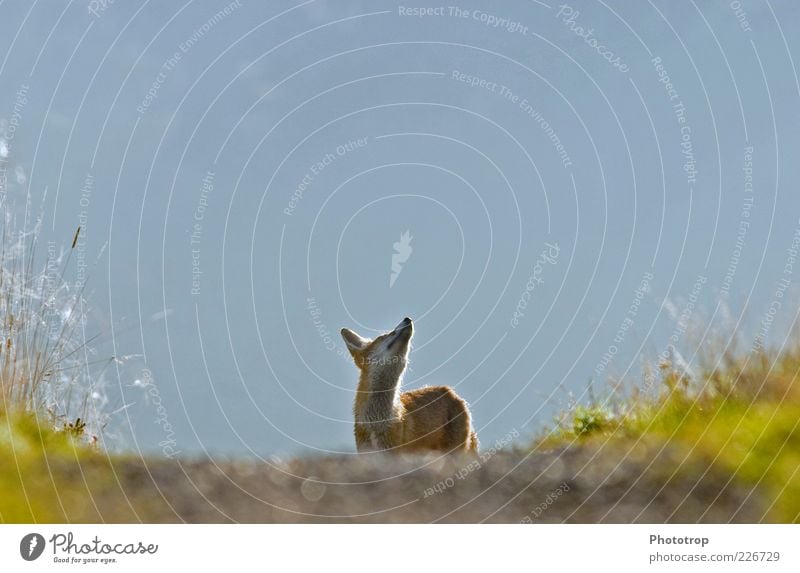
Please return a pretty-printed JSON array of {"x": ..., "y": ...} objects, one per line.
[
  {"x": 436, "y": 418},
  {"x": 431, "y": 418}
]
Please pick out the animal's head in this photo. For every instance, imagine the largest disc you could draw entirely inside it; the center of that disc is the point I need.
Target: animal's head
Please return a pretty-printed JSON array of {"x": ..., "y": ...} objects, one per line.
[{"x": 386, "y": 355}]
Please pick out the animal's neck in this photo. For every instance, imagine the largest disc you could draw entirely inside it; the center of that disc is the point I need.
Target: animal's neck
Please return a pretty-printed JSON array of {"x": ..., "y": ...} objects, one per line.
[{"x": 376, "y": 398}]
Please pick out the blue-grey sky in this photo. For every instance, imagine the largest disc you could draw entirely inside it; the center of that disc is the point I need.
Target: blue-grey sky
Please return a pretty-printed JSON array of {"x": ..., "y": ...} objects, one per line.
[{"x": 577, "y": 181}]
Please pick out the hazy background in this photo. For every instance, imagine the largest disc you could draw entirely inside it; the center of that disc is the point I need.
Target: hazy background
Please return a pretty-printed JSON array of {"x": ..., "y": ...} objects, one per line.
[{"x": 247, "y": 359}]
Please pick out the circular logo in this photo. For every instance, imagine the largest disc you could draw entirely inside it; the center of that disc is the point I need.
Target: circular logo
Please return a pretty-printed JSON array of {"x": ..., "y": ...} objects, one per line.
[{"x": 31, "y": 546}]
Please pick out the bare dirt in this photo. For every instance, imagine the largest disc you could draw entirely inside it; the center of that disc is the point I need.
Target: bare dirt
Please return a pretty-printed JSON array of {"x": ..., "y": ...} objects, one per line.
[{"x": 582, "y": 485}]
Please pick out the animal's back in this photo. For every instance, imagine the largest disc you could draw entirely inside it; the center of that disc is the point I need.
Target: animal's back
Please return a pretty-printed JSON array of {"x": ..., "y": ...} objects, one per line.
[{"x": 436, "y": 418}]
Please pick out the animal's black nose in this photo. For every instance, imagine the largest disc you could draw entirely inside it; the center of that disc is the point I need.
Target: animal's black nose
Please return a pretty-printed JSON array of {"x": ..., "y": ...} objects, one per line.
[{"x": 406, "y": 320}]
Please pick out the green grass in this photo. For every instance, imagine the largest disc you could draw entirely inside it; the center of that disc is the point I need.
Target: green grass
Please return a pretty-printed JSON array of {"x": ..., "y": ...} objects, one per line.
[
  {"x": 54, "y": 476},
  {"x": 51, "y": 398},
  {"x": 28, "y": 447},
  {"x": 742, "y": 417}
]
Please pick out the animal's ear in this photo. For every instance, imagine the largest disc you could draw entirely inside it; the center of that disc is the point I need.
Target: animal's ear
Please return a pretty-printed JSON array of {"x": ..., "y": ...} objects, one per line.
[{"x": 355, "y": 343}]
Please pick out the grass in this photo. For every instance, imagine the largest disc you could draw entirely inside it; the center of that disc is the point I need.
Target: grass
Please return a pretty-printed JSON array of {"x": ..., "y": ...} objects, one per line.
[
  {"x": 740, "y": 414},
  {"x": 30, "y": 448},
  {"x": 51, "y": 399},
  {"x": 46, "y": 363}
]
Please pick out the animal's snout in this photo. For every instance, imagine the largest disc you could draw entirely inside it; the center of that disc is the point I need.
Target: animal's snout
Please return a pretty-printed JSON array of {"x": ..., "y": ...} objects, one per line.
[{"x": 405, "y": 323}]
